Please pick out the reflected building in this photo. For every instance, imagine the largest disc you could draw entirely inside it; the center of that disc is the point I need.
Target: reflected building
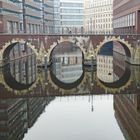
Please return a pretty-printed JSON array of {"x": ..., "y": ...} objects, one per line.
[
  {"x": 67, "y": 65},
  {"x": 108, "y": 69},
  {"x": 17, "y": 115},
  {"x": 110, "y": 64},
  {"x": 105, "y": 64},
  {"x": 19, "y": 65},
  {"x": 119, "y": 64},
  {"x": 35, "y": 108},
  {"x": 13, "y": 119},
  {"x": 127, "y": 113},
  {"x": 105, "y": 68}
]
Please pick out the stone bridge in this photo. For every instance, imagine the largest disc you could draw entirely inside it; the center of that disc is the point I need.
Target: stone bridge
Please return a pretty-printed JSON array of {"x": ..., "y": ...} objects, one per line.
[{"x": 42, "y": 45}]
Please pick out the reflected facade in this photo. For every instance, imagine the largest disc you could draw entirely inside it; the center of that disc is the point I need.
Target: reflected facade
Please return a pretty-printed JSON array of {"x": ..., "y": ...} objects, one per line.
[
  {"x": 19, "y": 66},
  {"x": 110, "y": 68},
  {"x": 67, "y": 65},
  {"x": 17, "y": 115},
  {"x": 111, "y": 64},
  {"x": 127, "y": 113}
]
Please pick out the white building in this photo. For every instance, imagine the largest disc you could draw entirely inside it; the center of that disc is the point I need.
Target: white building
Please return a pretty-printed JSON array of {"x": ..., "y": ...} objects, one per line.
[
  {"x": 71, "y": 16},
  {"x": 98, "y": 16}
]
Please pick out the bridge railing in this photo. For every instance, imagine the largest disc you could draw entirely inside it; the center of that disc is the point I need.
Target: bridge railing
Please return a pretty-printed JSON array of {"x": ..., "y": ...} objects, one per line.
[{"x": 59, "y": 34}]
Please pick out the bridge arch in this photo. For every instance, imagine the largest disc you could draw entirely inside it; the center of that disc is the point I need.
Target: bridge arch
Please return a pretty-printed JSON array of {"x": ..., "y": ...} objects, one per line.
[
  {"x": 74, "y": 40},
  {"x": 127, "y": 47},
  {"x": 4, "y": 52}
]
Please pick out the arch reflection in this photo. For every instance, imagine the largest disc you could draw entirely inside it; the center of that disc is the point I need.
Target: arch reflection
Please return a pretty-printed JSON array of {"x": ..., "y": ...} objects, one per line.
[
  {"x": 112, "y": 70},
  {"x": 67, "y": 63},
  {"x": 20, "y": 69}
]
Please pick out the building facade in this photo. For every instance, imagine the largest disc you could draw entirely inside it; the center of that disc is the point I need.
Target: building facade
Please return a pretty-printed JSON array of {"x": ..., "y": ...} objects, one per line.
[
  {"x": 126, "y": 16},
  {"x": 98, "y": 16},
  {"x": 24, "y": 16},
  {"x": 48, "y": 16},
  {"x": 57, "y": 16},
  {"x": 9, "y": 17},
  {"x": 71, "y": 16}
]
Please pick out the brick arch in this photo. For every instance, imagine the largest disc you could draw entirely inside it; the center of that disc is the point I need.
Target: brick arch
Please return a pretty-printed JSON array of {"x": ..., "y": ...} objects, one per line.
[
  {"x": 127, "y": 47},
  {"x": 62, "y": 40},
  {"x": 9, "y": 45}
]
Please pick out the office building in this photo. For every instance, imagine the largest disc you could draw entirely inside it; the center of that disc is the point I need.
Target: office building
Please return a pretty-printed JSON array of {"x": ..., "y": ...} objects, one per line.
[
  {"x": 24, "y": 16},
  {"x": 126, "y": 16},
  {"x": 71, "y": 16},
  {"x": 57, "y": 16},
  {"x": 98, "y": 16},
  {"x": 48, "y": 16}
]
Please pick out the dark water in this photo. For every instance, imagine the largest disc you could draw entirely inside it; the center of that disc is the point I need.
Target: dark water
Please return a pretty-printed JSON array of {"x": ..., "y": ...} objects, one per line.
[{"x": 69, "y": 101}]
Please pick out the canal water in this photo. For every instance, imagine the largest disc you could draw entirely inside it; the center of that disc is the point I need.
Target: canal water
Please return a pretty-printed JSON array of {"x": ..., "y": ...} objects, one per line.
[{"x": 68, "y": 100}]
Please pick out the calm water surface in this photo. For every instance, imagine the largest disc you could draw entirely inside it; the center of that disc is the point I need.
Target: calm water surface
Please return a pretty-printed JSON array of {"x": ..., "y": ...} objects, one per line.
[{"x": 72, "y": 118}]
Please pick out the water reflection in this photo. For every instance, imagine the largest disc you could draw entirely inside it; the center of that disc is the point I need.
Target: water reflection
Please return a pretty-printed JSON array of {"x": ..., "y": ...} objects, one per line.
[
  {"x": 67, "y": 75},
  {"x": 127, "y": 113},
  {"x": 20, "y": 66},
  {"x": 115, "y": 117},
  {"x": 17, "y": 115},
  {"x": 67, "y": 62},
  {"x": 111, "y": 67},
  {"x": 21, "y": 73},
  {"x": 47, "y": 84}
]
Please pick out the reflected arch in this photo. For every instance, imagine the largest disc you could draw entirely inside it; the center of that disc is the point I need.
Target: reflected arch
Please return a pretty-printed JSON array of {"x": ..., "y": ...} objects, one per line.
[
  {"x": 66, "y": 86},
  {"x": 114, "y": 87},
  {"x": 11, "y": 81}
]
